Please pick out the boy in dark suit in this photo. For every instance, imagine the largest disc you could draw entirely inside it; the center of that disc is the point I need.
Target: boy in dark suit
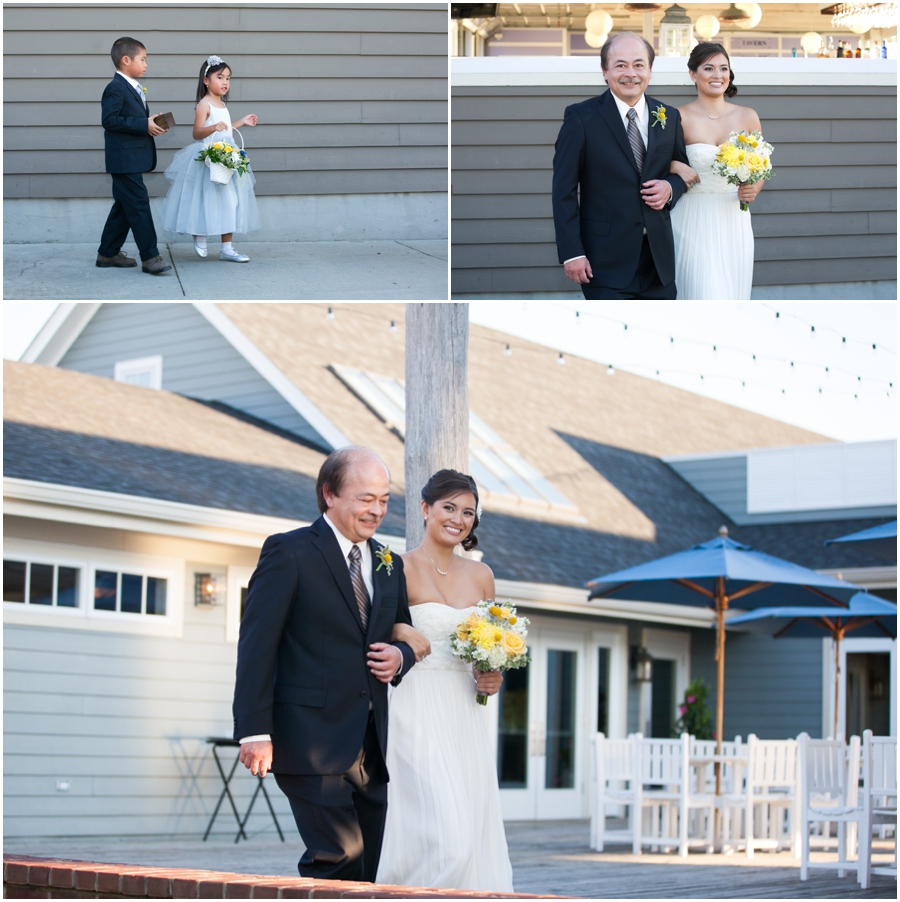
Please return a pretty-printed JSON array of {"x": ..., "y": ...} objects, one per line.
[{"x": 129, "y": 131}]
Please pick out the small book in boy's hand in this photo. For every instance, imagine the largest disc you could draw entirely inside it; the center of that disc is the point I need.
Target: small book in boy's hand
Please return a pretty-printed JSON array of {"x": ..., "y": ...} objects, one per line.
[{"x": 164, "y": 120}]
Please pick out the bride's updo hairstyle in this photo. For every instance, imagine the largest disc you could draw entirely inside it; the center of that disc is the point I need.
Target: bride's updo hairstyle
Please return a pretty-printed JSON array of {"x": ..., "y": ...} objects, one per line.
[
  {"x": 447, "y": 484},
  {"x": 704, "y": 51}
]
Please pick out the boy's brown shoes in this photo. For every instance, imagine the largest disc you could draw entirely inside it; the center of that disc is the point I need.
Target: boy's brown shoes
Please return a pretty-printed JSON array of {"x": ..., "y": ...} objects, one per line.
[
  {"x": 119, "y": 260},
  {"x": 155, "y": 266}
]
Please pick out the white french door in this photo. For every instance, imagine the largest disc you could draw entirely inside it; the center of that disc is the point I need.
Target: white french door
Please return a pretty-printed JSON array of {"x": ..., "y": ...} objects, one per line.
[{"x": 546, "y": 714}]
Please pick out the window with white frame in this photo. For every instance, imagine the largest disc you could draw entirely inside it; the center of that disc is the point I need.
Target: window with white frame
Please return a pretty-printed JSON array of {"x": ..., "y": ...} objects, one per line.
[
  {"x": 130, "y": 593},
  {"x": 145, "y": 372},
  {"x": 54, "y": 585},
  {"x": 95, "y": 589},
  {"x": 498, "y": 468},
  {"x": 49, "y": 585}
]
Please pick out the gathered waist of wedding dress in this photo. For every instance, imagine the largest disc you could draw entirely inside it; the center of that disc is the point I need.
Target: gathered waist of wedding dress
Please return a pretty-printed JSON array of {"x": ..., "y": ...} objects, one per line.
[
  {"x": 442, "y": 662},
  {"x": 713, "y": 186}
]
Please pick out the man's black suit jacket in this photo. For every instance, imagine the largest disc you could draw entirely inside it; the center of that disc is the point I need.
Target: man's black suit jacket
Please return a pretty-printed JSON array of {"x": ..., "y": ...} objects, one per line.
[
  {"x": 607, "y": 226},
  {"x": 301, "y": 667},
  {"x": 129, "y": 147}
]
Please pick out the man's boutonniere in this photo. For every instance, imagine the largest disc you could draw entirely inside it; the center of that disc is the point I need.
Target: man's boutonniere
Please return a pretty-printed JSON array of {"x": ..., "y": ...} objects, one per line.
[
  {"x": 659, "y": 114},
  {"x": 386, "y": 558}
]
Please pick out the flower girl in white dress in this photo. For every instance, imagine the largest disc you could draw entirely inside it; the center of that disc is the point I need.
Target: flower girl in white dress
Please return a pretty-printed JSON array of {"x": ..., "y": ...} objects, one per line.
[{"x": 195, "y": 205}]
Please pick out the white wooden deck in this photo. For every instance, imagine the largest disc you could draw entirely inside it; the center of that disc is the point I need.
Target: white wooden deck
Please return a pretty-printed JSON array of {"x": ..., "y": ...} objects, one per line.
[{"x": 549, "y": 858}]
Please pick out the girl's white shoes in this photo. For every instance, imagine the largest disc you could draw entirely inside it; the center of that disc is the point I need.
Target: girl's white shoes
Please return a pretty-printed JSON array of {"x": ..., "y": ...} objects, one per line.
[
  {"x": 200, "y": 250},
  {"x": 233, "y": 256}
]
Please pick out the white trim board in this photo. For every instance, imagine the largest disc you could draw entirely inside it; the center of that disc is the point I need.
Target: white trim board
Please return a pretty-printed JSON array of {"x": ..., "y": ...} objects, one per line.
[
  {"x": 484, "y": 71},
  {"x": 225, "y": 326},
  {"x": 58, "y": 334}
]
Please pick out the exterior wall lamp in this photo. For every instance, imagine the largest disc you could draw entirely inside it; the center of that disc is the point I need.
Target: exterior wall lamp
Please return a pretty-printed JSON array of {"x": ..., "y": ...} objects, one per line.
[
  {"x": 206, "y": 591},
  {"x": 641, "y": 665}
]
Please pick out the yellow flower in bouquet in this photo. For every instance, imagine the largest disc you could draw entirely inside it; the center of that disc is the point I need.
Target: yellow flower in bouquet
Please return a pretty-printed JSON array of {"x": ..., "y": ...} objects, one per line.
[
  {"x": 493, "y": 638},
  {"x": 744, "y": 160},
  {"x": 513, "y": 644}
]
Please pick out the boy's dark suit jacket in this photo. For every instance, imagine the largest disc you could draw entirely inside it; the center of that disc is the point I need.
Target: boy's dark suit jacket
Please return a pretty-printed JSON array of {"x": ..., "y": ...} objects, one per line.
[
  {"x": 301, "y": 667},
  {"x": 593, "y": 150},
  {"x": 129, "y": 147}
]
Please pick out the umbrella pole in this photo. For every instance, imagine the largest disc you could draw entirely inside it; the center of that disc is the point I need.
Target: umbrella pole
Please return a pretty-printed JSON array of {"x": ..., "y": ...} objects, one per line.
[
  {"x": 721, "y": 605},
  {"x": 837, "y": 679}
]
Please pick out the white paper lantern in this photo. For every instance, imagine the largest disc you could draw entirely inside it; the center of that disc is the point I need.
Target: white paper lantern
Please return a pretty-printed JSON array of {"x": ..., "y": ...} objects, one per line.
[
  {"x": 595, "y": 40},
  {"x": 755, "y": 12},
  {"x": 707, "y": 27},
  {"x": 810, "y": 42},
  {"x": 598, "y": 22}
]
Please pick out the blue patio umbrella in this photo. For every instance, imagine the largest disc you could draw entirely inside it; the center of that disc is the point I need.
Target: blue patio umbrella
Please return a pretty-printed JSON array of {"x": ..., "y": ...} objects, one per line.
[
  {"x": 885, "y": 531},
  {"x": 866, "y": 615},
  {"x": 717, "y": 573}
]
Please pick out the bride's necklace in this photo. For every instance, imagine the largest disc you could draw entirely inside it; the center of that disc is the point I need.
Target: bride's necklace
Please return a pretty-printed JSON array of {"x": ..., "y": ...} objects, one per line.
[{"x": 442, "y": 572}]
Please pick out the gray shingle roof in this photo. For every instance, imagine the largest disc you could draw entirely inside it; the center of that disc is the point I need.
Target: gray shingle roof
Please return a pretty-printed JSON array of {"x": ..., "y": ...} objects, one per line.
[{"x": 597, "y": 439}]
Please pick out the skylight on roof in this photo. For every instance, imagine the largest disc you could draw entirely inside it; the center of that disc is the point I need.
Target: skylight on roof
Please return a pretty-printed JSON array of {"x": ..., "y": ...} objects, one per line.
[{"x": 503, "y": 475}]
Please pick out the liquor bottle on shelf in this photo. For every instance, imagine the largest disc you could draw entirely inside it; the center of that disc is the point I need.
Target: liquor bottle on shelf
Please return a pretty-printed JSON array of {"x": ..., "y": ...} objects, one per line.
[
  {"x": 832, "y": 53},
  {"x": 884, "y": 50},
  {"x": 859, "y": 49},
  {"x": 840, "y": 49}
]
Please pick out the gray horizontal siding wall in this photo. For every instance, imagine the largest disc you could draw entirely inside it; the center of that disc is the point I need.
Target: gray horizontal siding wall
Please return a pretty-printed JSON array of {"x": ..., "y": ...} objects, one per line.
[
  {"x": 123, "y": 720},
  {"x": 197, "y": 361},
  {"x": 827, "y": 215},
  {"x": 773, "y": 687},
  {"x": 351, "y": 98}
]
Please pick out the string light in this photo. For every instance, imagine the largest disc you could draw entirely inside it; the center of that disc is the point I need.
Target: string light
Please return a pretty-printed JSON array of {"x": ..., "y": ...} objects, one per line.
[{"x": 880, "y": 387}]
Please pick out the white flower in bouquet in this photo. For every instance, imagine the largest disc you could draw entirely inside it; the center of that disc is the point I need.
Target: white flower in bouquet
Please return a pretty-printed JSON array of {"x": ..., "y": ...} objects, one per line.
[{"x": 493, "y": 638}]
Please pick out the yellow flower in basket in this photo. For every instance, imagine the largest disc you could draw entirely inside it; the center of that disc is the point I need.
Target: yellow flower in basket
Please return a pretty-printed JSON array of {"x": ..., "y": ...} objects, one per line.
[
  {"x": 228, "y": 148},
  {"x": 219, "y": 145},
  {"x": 512, "y": 643}
]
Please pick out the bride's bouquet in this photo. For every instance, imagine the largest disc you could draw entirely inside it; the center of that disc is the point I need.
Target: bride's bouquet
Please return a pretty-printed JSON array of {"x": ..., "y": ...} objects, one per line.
[
  {"x": 493, "y": 638},
  {"x": 744, "y": 160}
]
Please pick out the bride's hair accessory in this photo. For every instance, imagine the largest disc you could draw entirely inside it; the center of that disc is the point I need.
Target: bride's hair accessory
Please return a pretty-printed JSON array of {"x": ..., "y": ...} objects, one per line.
[
  {"x": 212, "y": 61},
  {"x": 659, "y": 114}
]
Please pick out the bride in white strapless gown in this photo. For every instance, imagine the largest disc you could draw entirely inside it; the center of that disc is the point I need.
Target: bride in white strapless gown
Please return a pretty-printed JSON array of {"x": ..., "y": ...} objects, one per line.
[
  {"x": 713, "y": 236},
  {"x": 444, "y": 823}
]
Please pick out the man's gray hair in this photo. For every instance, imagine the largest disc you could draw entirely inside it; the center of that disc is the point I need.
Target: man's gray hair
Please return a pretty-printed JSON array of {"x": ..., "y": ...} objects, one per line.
[{"x": 604, "y": 50}]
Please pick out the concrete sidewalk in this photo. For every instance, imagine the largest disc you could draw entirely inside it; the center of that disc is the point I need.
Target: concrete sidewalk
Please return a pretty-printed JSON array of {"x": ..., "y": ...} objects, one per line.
[{"x": 407, "y": 270}]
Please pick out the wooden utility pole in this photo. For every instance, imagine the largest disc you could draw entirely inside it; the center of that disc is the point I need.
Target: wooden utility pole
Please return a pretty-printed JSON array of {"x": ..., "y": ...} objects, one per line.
[{"x": 437, "y": 400}]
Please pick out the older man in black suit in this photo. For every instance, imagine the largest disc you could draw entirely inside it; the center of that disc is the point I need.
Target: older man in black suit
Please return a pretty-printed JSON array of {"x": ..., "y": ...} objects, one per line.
[
  {"x": 314, "y": 661},
  {"x": 616, "y": 241},
  {"x": 129, "y": 131}
]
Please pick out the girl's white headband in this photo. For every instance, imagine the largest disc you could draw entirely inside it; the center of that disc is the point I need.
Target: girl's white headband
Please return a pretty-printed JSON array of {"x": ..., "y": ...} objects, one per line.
[{"x": 212, "y": 61}]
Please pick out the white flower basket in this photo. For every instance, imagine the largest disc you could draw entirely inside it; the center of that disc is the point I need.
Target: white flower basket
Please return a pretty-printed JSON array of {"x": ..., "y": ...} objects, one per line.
[{"x": 218, "y": 172}]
